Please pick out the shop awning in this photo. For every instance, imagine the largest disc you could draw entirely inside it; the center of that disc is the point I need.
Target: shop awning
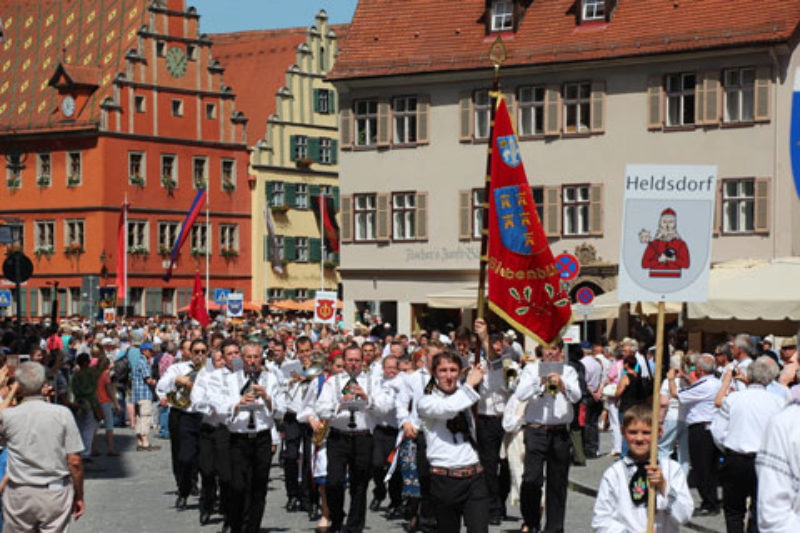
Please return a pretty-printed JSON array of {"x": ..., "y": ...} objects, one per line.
[
  {"x": 463, "y": 298},
  {"x": 752, "y": 290}
]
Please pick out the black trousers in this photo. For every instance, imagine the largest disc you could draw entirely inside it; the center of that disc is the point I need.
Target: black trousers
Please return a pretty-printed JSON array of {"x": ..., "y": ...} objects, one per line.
[
  {"x": 461, "y": 497},
  {"x": 490, "y": 439},
  {"x": 591, "y": 433},
  {"x": 545, "y": 449},
  {"x": 704, "y": 458},
  {"x": 348, "y": 453},
  {"x": 297, "y": 475},
  {"x": 189, "y": 431},
  {"x": 174, "y": 440},
  {"x": 251, "y": 455},
  {"x": 739, "y": 482},
  {"x": 427, "y": 511},
  {"x": 383, "y": 441},
  {"x": 214, "y": 462}
]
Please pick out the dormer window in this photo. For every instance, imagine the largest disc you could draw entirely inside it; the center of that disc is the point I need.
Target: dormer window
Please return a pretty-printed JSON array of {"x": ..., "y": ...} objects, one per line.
[
  {"x": 594, "y": 10},
  {"x": 502, "y": 15}
]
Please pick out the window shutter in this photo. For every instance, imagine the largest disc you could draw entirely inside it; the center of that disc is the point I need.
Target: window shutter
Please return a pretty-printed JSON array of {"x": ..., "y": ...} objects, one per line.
[
  {"x": 288, "y": 294},
  {"x": 761, "y": 213},
  {"x": 382, "y": 222},
  {"x": 717, "y": 224},
  {"x": 611, "y": 6},
  {"x": 24, "y": 301},
  {"x": 423, "y": 109},
  {"x": 316, "y": 100},
  {"x": 699, "y": 100},
  {"x": 331, "y": 102},
  {"x": 763, "y": 94},
  {"x": 289, "y": 252},
  {"x": 313, "y": 148},
  {"x": 334, "y": 151},
  {"x": 346, "y": 219},
  {"x": 464, "y": 215},
  {"x": 268, "y": 191},
  {"x": 598, "y": 112},
  {"x": 34, "y": 303},
  {"x": 422, "y": 216},
  {"x": 552, "y": 110},
  {"x": 712, "y": 91},
  {"x": 289, "y": 195},
  {"x": 465, "y": 116},
  {"x": 336, "y": 198},
  {"x": 346, "y": 126},
  {"x": 313, "y": 191},
  {"x": 62, "y": 303},
  {"x": 293, "y": 148},
  {"x": 552, "y": 211},
  {"x": 384, "y": 122},
  {"x": 314, "y": 251},
  {"x": 655, "y": 102},
  {"x": 596, "y": 209},
  {"x": 152, "y": 301}
]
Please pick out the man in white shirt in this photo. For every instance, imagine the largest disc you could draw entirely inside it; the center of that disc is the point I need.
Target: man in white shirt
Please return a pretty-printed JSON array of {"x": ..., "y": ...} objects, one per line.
[
  {"x": 384, "y": 437},
  {"x": 547, "y": 418},
  {"x": 778, "y": 472},
  {"x": 738, "y": 429},
  {"x": 594, "y": 402},
  {"x": 345, "y": 401},
  {"x": 698, "y": 401},
  {"x": 250, "y": 402}
]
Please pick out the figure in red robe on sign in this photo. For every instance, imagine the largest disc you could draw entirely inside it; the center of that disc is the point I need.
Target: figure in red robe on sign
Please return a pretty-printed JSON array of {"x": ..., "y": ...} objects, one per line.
[{"x": 666, "y": 253}]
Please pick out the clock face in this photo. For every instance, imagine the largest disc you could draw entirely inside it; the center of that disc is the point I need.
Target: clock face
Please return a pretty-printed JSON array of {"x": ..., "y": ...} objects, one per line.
[
  {"x": 176, "y": 62},
  {"x": 68, "y": 106}
]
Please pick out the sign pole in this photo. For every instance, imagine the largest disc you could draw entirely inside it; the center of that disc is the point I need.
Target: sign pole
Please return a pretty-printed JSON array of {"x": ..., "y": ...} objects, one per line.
[{"x": 651, "y": 494}]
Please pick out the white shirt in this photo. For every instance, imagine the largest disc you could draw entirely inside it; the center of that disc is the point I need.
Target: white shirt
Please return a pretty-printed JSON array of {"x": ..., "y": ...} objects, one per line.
[
  {"x": 238, "y": 418},
  {"x": 408, "y": 396},
  {"x": 384, "y": 396},
  {"x": 698, "y": 400},
  {"x": 446, "y": 449},
  {"x": 166, "y": 384},
  {"x": 544, "y": 408},
  {"x": 615, "y": 512},
  {"x": 208, "y": 386},
  {"x": 740, "y": 423},
  {"x": 778, "y": 471},
  {"x": 493, "y": 391},
  {"x": 594, "y": 372},
  {"x": 328, "y": 406}
]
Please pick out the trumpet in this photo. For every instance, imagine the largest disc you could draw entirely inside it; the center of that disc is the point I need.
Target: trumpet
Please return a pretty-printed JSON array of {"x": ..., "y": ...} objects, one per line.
[
  {"x": 552, "y": 387},
  {"x": 180, "y": 397}
]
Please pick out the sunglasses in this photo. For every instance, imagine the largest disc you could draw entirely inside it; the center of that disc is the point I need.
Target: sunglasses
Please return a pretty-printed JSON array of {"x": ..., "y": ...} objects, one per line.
[{"x": 199, "y": 351}]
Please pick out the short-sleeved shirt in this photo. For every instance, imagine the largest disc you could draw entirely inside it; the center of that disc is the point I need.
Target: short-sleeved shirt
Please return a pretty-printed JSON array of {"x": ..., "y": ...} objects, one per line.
[
  {"x": 39, "y": 436},
  {"x": 140, "y": 390},
  {"x": 102, "y": 388}
]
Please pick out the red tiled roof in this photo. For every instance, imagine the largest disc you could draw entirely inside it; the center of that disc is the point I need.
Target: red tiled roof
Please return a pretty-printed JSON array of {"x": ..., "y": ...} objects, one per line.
[
  {"x": 387, "y": 37},
  {"x": 76, "y": 75},
  {"x": 255, "y": 65},
  {"x": 95, "y": 35}
]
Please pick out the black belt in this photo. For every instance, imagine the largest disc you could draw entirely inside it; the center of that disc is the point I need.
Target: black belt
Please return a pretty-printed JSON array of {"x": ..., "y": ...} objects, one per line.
[
  {"x": 250, "y": 435},
  {"x": 352, "y": 433},
  {"x": 751, "y": 455},
  {"x": 489, "y": 416},
  {"x": 386, "y": 427}
]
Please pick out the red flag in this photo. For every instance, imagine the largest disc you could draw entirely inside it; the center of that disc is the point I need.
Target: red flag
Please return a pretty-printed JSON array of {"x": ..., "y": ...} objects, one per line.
[
  {"x": 122, "y": 253},
  {"x": 197, "y": 307},
  {"x": 524, "y": 286}
]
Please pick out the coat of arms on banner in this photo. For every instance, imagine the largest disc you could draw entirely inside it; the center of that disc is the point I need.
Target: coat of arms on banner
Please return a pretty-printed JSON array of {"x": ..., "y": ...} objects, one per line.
[
  {"x": 516, "y": 219},
  {"x": 509, "y": 150},
  {"x": 794, "y": 132}
]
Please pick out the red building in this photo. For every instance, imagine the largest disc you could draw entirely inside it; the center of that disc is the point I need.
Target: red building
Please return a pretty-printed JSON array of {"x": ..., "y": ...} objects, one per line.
[{"x": 103, "y": 100}]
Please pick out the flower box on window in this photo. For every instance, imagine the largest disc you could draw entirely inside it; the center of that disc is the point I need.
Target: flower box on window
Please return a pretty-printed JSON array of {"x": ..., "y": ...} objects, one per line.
[
  {"x": 138, "y": 250},
  {"x": 198, "y": 252},
  {"x": 169, "y": 183},
  {"x": 74, "y": 249},
  {"x": 228, "y": 186},
  {"x": 229, "y": 252},
  {"x": 303, "y": 162},
  {"x": 200, "y": 183},
  {"x": 73, "y": 181},
  {"x": 11, "y": 249},
  {"x": 164, "y": 251},
  {"x": 40, "y": 251},
  {"x": 331, "y": 265},
  {"x": 278, "y": 209},
  {"x": 14, "y": 183},
  {"x": 138, "y": 181},
  {"x": 43, "y": 181}
]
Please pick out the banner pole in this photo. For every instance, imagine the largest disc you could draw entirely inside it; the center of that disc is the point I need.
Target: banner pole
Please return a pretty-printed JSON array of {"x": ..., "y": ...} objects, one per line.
[
  {"x": 485, "y": 205},
  {"x": 322, "y": 201},
  {"x": 125, "y": 262},
  {"x": 208, "y": 248},
  {"x": 651, "y": 494}
]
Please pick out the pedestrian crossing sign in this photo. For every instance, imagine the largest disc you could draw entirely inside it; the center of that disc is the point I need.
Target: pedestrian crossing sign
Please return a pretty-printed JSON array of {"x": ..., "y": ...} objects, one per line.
[{"x": 5, "y": 298}]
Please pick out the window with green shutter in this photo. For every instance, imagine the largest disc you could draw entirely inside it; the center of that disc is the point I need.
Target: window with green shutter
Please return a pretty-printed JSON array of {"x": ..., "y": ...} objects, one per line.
[
  {"x": 34, "y": 303},
  {"x": 313, "y": 190},
  {"x": 334, "y": 151},
  {"x": 289, "y": 249},
  {"x": 289, "y": 294},
  {"x": 293, "y": 147},
  {"x": 313, "y": 148},
  {"x": 314, "y": 252},
  {"x": 336, "y": 198},
  {"x": 268, "y": 192},
  {"x": 323, "y": 101},
  {"x": 290, "y": 192}
]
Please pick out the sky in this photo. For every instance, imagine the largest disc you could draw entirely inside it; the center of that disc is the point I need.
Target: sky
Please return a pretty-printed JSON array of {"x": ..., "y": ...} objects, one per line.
[{"x": 219, "y": 16}]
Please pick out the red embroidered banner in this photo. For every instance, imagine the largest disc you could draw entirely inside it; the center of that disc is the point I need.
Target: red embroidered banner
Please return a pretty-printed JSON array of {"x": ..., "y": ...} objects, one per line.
[{"x": 524, "y": 285}]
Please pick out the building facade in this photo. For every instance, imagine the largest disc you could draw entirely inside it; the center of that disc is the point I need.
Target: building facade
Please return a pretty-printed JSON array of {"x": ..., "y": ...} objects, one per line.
[
  {"x": 592, "y": 86},
  {"x": 294, "y": 157},
  {"x": 103, "y": 101}
]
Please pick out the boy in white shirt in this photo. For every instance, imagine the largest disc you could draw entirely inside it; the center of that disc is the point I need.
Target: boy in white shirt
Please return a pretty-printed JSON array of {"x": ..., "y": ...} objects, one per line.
[{"x": 621, "y": 503}]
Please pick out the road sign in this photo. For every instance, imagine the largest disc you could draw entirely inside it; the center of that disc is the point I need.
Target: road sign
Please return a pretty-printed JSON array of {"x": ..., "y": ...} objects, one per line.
[
  {"x": 221, "y": 296},
  {"x": 235, "y": 304},
  {"x": 17, "y": 267},
  {"x": 568, "y": 266},
  {"x": 573, "y": 335},
  {"x": 5, "y": 298},
  {"x": 325, "y": 307},
  {"x": 585, "y": 296}
]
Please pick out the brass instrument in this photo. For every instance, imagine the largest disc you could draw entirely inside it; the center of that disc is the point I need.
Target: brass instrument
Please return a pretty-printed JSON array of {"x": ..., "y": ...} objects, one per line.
[
  {"x": 511, "y": 373},
  {"x": 312, "y": 372},
  {"x": 321, "y": 433},
  {"x": 180, "y": 397},
  {"x": 552, "y": 387}
]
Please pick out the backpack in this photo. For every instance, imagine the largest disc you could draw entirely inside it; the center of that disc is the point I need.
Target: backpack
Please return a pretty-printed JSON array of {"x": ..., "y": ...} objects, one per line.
[
  {"x": 647, "y": 380},
  {"x": 121, "y": 371}
]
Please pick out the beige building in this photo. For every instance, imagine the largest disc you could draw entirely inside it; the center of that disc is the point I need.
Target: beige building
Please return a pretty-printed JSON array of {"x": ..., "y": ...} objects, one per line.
[
  {"x": 295, "y": 157},
  {"x": 592, "y": 87}
]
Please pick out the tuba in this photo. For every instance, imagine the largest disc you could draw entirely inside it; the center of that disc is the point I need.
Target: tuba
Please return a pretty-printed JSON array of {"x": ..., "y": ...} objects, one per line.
[{"x": 180, "y": 397}]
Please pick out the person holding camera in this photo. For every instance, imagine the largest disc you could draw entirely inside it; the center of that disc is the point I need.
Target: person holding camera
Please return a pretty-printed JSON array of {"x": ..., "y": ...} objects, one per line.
[{"x": 550, "y": 389}]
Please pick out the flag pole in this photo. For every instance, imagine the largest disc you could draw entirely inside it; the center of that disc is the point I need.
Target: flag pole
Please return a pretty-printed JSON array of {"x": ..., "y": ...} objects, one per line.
[
  {"x": 322, "y": 201},
  {"x": 208, "y": 245},
  {"x": 497, "y": 55},
  {"x": 125, "y": 260},
  {"x": 654, "y": 425}
]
